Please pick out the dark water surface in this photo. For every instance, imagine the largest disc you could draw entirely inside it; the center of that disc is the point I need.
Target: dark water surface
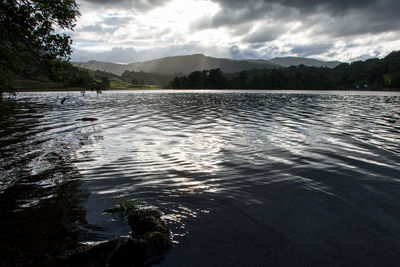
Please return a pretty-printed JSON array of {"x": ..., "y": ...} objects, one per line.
[{"x": 244, "y": 178}]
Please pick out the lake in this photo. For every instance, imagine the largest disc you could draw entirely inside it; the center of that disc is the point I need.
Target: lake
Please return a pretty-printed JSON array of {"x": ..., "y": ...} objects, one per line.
[{"x": 244, "y": 178}]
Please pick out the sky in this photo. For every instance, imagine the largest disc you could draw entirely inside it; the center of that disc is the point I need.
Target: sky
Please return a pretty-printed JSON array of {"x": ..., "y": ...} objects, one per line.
[{"x": 124, "y": 31}]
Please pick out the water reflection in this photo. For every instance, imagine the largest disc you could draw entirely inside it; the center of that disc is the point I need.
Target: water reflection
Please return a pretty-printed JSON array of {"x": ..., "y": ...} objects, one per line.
[{"x": 41, "y": 212}]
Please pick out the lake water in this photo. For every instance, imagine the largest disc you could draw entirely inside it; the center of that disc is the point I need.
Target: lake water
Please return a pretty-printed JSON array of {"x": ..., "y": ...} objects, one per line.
[{"x": 244, "y": 178}]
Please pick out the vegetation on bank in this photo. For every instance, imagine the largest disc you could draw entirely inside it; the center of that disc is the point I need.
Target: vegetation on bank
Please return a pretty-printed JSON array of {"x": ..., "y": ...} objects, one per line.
[
  {"x": 32, "y": 52},
  {"x": 372, "y": 74},
  {"x": 27, "y": 85},
  {"x": 82, "y": 79}
]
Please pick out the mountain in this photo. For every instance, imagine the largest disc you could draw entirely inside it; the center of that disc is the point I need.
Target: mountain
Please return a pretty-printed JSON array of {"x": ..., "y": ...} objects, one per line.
[
  {"x": 94, "y": 65},
  {"x": 371, "y": 74},
  {"x": 296, "y": 61},
  {"x": 180, "y": 65},
  {"x": 190, "y": 63}
]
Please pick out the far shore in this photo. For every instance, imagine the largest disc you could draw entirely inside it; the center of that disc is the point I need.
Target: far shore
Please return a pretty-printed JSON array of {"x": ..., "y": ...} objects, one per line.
[{"x": 77, "y": 89}]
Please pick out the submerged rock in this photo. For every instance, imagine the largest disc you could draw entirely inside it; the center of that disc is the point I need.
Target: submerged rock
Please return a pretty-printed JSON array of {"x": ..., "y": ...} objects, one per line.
[
  {"x": 95, "y": 256},
  {"x": 141, "y": 251},
  {"x": 149, "y": 242},
  {"x": 145, "y": 221}
]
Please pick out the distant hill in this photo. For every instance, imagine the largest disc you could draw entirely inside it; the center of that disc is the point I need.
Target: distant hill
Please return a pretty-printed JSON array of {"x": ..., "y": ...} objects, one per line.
[
  {"x": 94, "y": 65},
  {"x": 187, "y": 64},
  {"x": 296, "y": 61},
  {"x": 180, "y": 65},
  {"x": 371, "y": 74}
]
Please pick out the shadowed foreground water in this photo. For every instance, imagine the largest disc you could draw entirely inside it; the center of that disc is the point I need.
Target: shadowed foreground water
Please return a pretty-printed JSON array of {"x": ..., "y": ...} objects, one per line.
[{"x": 244, "y": 178}]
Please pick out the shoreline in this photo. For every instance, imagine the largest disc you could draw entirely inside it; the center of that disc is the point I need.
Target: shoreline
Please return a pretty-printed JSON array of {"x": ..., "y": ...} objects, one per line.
[{"x": 33, "y": 90}]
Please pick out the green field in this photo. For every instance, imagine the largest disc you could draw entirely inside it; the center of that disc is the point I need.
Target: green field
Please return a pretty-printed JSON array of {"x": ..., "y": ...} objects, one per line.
[
  {"x": 117, "y": 84},
  {"x": 46, "y": 85}
]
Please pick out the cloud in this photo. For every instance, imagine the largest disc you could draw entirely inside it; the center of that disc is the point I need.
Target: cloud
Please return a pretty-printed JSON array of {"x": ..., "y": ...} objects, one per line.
[
  {"x": 266, "y": 33},
  {"x": 229, "y": 17},
  {"x": 311, "y": 49},
  {"x": 345, "y": 17},
  {"x": 116, "y": 54},
  {"x": 98, "y": 29},
  {"x": 337, "y": 7},
  {"x": 255, "y": 51},
  {"x": 116, "y": 20},
  {"x": 257, "y": 29},
  {"x": 237, "y": 53},
  {"x": 131, "y": 4}
]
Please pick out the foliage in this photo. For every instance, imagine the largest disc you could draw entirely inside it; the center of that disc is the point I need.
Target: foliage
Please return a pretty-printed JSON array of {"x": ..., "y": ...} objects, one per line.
[
  {"x": 145, "y": 78},
  {"x": 30, "y": 42},
  {"x": 206, "y": 79},
  {"x": 395, "y": 80},
  {"x": 71, "y": 76},
  {"x": 372, "y": 74},
  {"x": 124, "y": 207}
]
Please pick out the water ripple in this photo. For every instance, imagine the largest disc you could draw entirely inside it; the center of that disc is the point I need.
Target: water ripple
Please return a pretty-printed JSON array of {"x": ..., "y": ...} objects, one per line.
[{"x": 192, "y": 153}]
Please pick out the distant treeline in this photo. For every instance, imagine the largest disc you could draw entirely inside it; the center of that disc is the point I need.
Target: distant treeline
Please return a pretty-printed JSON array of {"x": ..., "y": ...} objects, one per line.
[
  {"x": 372, "y": 74},
  {"x": 142, "y": 78}
]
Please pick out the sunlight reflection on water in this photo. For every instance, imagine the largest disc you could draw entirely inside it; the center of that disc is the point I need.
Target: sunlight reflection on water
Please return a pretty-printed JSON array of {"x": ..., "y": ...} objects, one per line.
[{"x": 279, "y": 161}]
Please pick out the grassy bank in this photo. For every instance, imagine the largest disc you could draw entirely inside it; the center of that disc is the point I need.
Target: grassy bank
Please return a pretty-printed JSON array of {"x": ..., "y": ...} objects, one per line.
[
  {"x": 117, "y": 84},
  {"x": 46, "y": 86}
]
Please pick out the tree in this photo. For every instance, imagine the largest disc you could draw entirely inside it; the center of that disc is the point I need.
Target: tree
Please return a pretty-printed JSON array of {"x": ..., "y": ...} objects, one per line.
[
  {"x": 240, "y": 82},
  {"x": 216, "y": 79},
  {"x": 104, "y": 84},
  {"x": 395, "y": 80},
  {"x": 195, "y": 80},
  {"x": 30, "y": 41}
]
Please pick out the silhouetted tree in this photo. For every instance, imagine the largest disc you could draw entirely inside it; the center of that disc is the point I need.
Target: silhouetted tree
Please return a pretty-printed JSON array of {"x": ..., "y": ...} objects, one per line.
[
  {"x": 29, "y": 42},
  {"x": 240, "y": 81},
  {"x": 195, "y": 80},
  {"x": 395, "y": 80}
]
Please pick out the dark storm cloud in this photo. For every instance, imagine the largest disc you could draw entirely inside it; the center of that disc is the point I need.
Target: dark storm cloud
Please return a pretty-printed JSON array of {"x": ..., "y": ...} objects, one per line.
[
  {"x": 346, "y": 17},
  {"x": 337, "y": 7},
  {"x": 137, "y": 4}
]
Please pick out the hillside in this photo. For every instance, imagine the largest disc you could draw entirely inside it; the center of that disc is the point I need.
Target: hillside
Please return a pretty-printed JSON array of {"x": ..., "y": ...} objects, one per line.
[
  {"x": 371, "y": 74},
  {"x": 188, "y": 64},
  {"x": 94, "y": 65},
  {"x": 180, "y": 65},
  {"x": 297, "y": 61}
]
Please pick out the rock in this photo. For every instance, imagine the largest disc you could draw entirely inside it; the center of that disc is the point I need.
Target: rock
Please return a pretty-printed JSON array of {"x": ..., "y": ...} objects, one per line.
[
  {"x": 150, "y": 241},
  {"x": 144, "y": 221},
  {"x": 97, "y": 255}
]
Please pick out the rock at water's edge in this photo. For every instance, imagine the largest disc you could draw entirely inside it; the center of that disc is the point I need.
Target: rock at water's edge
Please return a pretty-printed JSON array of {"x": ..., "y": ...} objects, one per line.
[{"x": 150, "y": 241}]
